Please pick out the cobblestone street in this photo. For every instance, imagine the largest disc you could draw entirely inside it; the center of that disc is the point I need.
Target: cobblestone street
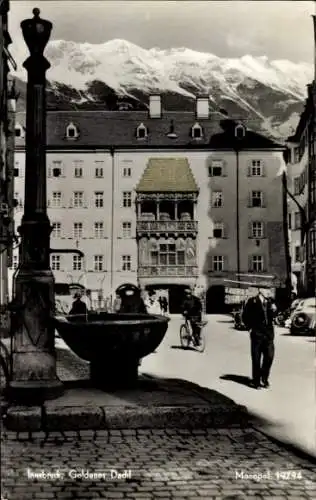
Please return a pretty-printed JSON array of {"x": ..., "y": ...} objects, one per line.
[{"x": 160, "y": 464}]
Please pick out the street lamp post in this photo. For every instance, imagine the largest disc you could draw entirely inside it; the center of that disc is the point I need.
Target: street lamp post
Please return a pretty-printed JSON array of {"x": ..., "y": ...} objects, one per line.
[{"x": 33, "y": 375}]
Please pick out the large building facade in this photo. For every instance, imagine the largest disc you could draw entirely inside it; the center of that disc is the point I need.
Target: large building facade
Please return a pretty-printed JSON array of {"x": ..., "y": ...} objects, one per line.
[
  {"x": 7, "y": 127},
  {"x": 302, "y": 185},
  {"x": 160, "y": 199}
]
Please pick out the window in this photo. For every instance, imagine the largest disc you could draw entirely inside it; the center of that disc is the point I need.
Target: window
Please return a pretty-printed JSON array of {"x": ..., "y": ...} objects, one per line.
[
  {"x": 57, "y": 169},
  {"x": 256, "y": 199},
  {"x": 290, "y": 221},
  {"x": 127, "y": 199},
  {"x": 56, "y": 199},
  {"x": 19, "y": 131},
  {"x": 141, "y": 131},
  {"x": 98, "y": 199},
  {"x": 78, "y": 171},
  {"x": 218, "y": 263},
  {"x": 257, "y": 229},
  {"x": 216, "y": 169},
  {"x": 71, "y": 131},
  {"x": 98, "y": 230},
  {"x": 77, "y": 230},
  {"x": 297, "y": 255},
  {"x": 297, "y": 220},
  {"x": 78, "y": 199},
  {"x": 257, "y": 263},
  {"x": 126, "y": 229},
  {"x": 18, "y": 202},
  {"x": 217, "y": 199},
  {"x": 197, "y": 131},
  {"x": 98, "y": 172},
  {"x": 16, "y": 172},
  {"x": 76, "y": 263},
  {"x": 127, "y": 171},
  {"x": 218, "y": 230},
  {"x": 256, "y": 168},
  {"x": 56, "y": 232},
  {"x": 55, "y": 263},
  {"x": 168, "y": 255},
  {"x": 15, "y": 261},
  {"x": 98, "y": 263},
  {"x": 240, "y": 131},
  {"x": 126, "y": 263}
]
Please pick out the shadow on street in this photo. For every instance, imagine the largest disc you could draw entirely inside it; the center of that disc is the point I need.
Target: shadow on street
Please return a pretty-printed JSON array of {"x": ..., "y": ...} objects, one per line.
[
  {"x": 183, "y": 348},
  {"x": 239, "y": 379}
]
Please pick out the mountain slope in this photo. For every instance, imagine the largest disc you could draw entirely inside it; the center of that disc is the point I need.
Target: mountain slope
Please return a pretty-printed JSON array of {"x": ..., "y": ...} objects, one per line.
[{"x": 269, "y": 94}]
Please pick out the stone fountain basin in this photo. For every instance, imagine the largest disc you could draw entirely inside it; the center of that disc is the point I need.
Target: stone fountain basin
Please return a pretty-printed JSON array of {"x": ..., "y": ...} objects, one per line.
[{"x": 100, "y": 336}]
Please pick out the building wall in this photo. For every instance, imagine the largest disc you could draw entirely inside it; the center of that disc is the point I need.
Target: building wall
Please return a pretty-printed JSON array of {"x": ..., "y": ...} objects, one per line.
[
  {"x": 114, "y": 245},
  {"x": 295, "y": 171}
]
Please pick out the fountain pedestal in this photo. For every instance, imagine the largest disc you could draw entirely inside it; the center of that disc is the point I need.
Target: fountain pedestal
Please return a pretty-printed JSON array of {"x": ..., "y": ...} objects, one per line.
[{"x": 114, "y": 372}]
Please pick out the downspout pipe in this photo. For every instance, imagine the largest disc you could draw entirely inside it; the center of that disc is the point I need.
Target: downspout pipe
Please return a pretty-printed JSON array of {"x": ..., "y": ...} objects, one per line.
[{"x": 112, "y": 153}]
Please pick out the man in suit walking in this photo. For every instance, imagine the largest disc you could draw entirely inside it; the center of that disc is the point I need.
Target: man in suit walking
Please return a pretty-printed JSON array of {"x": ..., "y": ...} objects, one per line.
[{"x": 258, "y": 316}]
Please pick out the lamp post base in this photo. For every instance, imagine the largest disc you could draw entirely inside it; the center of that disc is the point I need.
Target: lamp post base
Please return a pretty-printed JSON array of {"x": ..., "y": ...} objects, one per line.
[{"x": 35, "y": 392}]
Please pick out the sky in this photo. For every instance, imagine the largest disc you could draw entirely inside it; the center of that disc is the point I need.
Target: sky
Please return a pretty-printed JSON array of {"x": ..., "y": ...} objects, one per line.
[{"x": 277, "y": 29}]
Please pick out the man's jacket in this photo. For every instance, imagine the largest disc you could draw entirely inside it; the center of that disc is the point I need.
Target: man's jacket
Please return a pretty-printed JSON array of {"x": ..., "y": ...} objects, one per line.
[
  {"x": 193, "y": 307},
  {"x": 258, "y": 316}
]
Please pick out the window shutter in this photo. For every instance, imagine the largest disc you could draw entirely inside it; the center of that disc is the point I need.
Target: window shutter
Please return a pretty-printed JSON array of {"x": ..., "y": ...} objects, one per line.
[
  {"x": 250, "y": 263},
  {"x": 249, "y": 229},
  {"x": 263, "y": 198},
  {"x": 211, "y": 263},
  {"x": 224, "y": 168},
  {"x": 226, "y": 263},
  {"x": 249, "y": 169},
  {"x": 263, "y": 169},
  {"x": 225, "y": 230},
  {"x": 263, "y": 230},
  {"x": 249, "y": 199}
]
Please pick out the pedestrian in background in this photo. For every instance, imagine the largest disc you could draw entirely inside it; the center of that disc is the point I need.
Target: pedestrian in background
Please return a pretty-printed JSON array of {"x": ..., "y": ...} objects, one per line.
[
  {"x": 258, "y": 315},
  {"x": 79, "y": 307}
]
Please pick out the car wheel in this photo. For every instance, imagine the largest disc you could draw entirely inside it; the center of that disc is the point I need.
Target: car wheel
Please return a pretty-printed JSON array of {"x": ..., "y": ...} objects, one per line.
[{"x": 300, "y": 320}]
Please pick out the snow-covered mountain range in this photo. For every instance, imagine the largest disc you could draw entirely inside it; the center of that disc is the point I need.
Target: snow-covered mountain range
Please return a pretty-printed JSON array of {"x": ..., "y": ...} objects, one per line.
[{"x": 270, "y": 94}]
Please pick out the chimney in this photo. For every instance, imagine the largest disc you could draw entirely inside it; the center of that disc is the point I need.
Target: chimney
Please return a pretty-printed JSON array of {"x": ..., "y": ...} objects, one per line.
[
  {"x": 155, "y": 106},
  {"x": 202, "y": 107}
]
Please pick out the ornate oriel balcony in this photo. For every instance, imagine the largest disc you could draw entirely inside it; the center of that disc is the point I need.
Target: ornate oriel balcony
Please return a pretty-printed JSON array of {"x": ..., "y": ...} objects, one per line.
[
  {"x": 158, "y": 216},
  {"x": 167, "y": 271}
]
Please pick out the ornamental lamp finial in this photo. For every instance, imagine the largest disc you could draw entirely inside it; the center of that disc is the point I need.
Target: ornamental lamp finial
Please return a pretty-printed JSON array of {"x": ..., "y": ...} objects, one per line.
[{"x": 36, "y": 33}]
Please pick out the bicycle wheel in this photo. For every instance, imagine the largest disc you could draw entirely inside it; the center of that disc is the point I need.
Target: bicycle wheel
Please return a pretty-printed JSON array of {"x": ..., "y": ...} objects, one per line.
[{"x": 185, "y": 336}]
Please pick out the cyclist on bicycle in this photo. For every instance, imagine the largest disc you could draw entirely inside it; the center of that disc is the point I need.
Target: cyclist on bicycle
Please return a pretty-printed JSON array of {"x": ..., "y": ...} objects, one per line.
[{"x": 192, "y": 311}]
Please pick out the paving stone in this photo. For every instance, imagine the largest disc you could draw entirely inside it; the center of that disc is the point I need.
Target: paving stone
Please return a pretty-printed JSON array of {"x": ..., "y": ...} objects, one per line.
[
  {"x": 159, "y": 470},
  {"x": 72, "y": 418},
  {"x": 23, "y": 418}
]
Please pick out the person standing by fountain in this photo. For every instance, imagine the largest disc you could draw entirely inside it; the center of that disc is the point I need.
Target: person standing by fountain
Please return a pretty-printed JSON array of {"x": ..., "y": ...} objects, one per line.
[
  {"x": 78, "y": 308},
  {"x": 131, "y": 300}
]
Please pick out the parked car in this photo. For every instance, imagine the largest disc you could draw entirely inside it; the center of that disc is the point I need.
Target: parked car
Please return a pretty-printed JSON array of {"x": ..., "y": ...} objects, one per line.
[{"x": 303, "y": 318}]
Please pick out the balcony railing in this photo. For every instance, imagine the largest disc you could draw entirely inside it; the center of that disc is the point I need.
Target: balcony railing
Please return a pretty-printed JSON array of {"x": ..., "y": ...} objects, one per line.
[
  {"x": 176, "y": 226},
  {"x": 170, "y": 271}
]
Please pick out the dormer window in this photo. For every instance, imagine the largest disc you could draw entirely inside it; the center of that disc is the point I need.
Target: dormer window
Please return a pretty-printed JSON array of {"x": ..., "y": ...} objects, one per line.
[
  {"x": 19, "y": 132},
  {"x": 196, "y": 131},
  {"x": 240, "y": 131},
  {"x": 141, "y": 132},
  {"x": 72, "y": 131}
]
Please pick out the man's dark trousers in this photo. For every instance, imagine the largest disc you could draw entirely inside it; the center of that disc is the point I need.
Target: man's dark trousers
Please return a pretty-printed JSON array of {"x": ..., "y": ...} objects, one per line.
[{"x": 262, "y": 348}]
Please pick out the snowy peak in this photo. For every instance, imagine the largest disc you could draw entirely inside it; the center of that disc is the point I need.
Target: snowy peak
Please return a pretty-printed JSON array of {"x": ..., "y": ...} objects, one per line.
[{"x": 271, "y": 91}]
